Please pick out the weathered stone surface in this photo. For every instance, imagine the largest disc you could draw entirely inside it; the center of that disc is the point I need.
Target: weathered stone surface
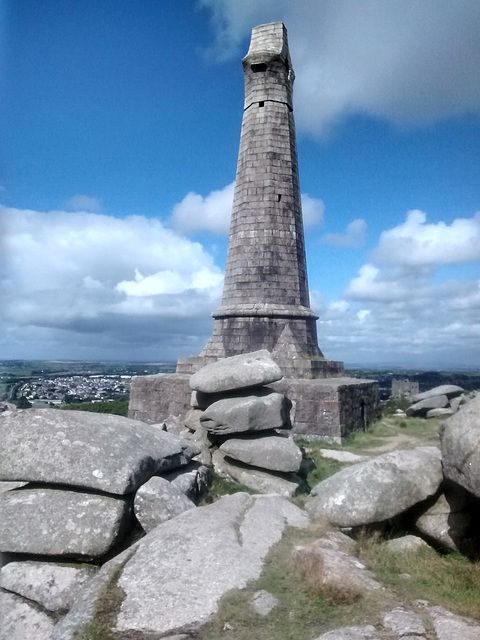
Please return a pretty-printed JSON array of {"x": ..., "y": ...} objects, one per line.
[
  {"x": 192, "y": 419},
  {"x": 378, "y": 489},
  {"x": 449, "y": 390},
  {"x": 456, "y": 403},
  {"x": 22, "y": 621},
  {"x": 153, "y": 398},
  {"x": 460, "y": 442},
  {"x": 449, "y": 626},
  {"x": 336, "y": 570},
  {"x": 175, "y": 425},
  {"x": 52, "y": 585},
  {"x": 452, "y": 522},
  {"x": 287, "y": 485},
  {"x": 423, "y": 406},
  {"x": 237, "y": 372},
  {"x": 60, "y": 522},
  {"x": 192, "y": 480},
  {"x": 97, "y": 451},
  {"x": 270, "y": 452},
  {"x": 351, "y": 633},
  {"x": 9, "y": 486},
  {"x": 438, "y": 413},
  {"x": 264, "y": 602},
  {"x": 405, "y": 544},
  {"x": 157, "y": 501},
  {"x": 176, "y": 575},
  {"x": 404, "y": 623},
  {"x": 268, "y": 410}
]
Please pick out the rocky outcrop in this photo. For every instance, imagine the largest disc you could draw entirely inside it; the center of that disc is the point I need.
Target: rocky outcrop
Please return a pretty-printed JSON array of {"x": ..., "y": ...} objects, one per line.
[
  {"x": 173, "y": 579},
  {"x": 460, "y": 442},
  {"x": 237, "y": 421},
  {"x": 158, "y": 501},
  {"x": 379, "y": 489},
  {"x": 443, "y": 400},
  {"x": 54, "y": 522},
  {"x": 79, "y": 449}
]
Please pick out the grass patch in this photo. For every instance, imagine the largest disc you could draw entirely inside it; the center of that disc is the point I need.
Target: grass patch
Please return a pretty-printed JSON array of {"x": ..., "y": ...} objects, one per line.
[
  {"x": 222, "y": 487},
  {"x": 324, "y": 468},
  {"x": 117, "y": 407},
  {"x": 451, "y": 580},
  {"x": 301, "y": 613}
]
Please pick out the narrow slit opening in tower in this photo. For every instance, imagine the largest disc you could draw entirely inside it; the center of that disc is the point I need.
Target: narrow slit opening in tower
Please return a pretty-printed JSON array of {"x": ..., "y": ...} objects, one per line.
[
  {"x": 261, "y": 104},
  {"x": 279, "y": 197},
  {"x": 259, "y": 67}
]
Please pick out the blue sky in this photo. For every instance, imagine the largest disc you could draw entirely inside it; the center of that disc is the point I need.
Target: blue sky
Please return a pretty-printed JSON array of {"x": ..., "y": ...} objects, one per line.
[{"x": 120, "y": 123}]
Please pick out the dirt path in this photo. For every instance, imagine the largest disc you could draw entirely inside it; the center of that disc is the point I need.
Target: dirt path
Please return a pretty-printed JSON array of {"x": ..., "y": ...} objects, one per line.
[{"x": 398, "y": 441}]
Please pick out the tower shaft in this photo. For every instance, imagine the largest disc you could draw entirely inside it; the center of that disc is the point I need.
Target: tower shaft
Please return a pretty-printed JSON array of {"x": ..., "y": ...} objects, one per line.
[{"x": 265, "y": 302}]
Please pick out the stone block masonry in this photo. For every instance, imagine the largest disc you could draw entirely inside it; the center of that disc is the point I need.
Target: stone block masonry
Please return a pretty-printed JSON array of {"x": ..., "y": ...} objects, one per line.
[{"x": 265, "y": 303}]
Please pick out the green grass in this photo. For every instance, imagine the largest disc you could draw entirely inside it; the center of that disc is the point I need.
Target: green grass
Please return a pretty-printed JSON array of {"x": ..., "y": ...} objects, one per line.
[
  {"x": 117, "y": 407},
  {"x": 222, "y": 487},
  {"x": 300, "y": 615},
  {"x": 450, "y": 580}
]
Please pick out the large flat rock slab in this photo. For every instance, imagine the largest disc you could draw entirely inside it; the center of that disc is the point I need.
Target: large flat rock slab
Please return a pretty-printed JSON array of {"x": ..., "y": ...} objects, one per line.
[
  {"x": 56, "y": 522},
  {"x": 378, "y": 489},
  {"x": 174, "y": 578},
  {"x": 77, "y": 448},
  {"x": 237, "y": 372}
]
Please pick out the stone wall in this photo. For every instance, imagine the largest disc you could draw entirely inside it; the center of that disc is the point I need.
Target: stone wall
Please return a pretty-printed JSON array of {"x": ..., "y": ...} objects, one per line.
[{"x": 326, "y": 409}]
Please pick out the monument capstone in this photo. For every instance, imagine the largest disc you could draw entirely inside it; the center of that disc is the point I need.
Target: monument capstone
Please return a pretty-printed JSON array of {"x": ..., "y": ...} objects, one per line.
[{"x": 265, "y": 302}]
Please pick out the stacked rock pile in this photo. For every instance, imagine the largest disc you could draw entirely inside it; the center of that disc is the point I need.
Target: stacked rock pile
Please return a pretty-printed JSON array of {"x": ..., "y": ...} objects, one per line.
[
  {"x": 71, "y": 483},
  {"x": 241, "y": 423},
  {"x": 444, "y": 400}
]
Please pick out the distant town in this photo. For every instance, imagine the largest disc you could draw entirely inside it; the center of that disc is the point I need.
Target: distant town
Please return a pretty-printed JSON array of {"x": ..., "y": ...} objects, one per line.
[
  {"x": 55, "y": 383},
  {"x": 52, "y": 383}
]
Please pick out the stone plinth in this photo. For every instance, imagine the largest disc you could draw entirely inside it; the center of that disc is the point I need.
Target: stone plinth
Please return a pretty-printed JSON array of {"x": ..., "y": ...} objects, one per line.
[{"x": 326, "y": 409}]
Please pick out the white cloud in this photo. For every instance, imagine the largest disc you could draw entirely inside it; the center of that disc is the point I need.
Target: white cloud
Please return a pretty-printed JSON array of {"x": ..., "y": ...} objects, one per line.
[
  {"x": 409, "y": 62},
  {"x": 416, "y": 243},
  {"x": 353, "y": 237},
  {"x": 84, "y": 203},
  {"x": 122, "y": 282},
  {"x": 401, "y": 306},
  {"x": 312, "y": 209},
  {"x": 213, "y": 211}
]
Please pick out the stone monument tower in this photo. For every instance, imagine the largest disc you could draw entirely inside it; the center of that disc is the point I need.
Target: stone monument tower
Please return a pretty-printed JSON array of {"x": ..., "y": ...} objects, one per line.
[{"x": 265, "y": 301}]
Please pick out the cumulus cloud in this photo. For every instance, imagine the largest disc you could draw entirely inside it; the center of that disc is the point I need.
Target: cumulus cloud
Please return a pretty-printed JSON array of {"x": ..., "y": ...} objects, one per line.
[
  {"x": 416, "y": 243},
  {"x": 126, "y": 283},
  {"x": 84, "y": 203},
  {"x": 213, "y": 211},
  {"x": 353, "y": 237},
  {"x": 312, "y": 209},
  {"x": 400, "y": 305},
  {"x": 410, "y": 62}
]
